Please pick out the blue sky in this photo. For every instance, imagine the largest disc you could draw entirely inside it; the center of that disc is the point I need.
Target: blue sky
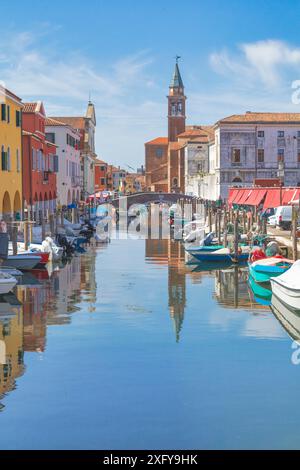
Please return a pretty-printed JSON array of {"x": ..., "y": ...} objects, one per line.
[{"x": 236, "y": 56}]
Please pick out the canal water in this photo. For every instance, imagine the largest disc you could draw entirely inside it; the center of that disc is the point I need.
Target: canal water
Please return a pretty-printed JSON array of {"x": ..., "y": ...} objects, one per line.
[{"x": 128, "y": 347}]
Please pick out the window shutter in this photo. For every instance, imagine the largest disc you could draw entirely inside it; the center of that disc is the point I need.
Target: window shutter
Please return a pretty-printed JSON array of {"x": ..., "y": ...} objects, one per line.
[
  {"x": 55, "y": 160},
  {"x": 3, "y": 112}
]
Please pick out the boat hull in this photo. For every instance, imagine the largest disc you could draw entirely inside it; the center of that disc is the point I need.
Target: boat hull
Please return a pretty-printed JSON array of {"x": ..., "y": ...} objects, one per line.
[
  {"x": 262, "y": 273},
  {"x": 23, "y": 263},
  {"x": 287, "y": 295},
  {"x": 220, "y": 258}
]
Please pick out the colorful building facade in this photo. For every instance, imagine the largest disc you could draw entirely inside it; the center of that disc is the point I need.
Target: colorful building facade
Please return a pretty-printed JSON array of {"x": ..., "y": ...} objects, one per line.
[
  {"x": 68, "y": 178},
  {"x": 101, "y": 168},
  {"x": 11, "y": 148},
  {"x": 40, "y": 162}
]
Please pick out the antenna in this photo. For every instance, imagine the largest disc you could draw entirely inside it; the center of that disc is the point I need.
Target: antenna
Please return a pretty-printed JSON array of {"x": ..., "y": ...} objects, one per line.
[
  {"x": 90, "y": 96},
  {"x": 177, "y": 57}
]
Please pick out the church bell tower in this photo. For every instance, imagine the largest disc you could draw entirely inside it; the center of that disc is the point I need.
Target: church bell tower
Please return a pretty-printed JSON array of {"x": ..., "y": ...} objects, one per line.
[{"x": 176, "y": 105}]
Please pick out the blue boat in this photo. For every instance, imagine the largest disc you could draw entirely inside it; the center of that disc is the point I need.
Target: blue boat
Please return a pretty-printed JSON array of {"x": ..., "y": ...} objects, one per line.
[
  {"x": 223, "y": 255},
  {"x": 262, "y": 270}
]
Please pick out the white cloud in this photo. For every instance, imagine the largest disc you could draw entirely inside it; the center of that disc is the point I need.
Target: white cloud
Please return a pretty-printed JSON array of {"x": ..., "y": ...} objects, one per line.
[
  {"x": 267, "y": 61},
  {"x": 35, "y": 69}
]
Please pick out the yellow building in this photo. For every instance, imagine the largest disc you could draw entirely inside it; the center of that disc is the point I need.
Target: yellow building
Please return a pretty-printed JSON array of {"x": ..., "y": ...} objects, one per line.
[{"x": 10, "y": 153}]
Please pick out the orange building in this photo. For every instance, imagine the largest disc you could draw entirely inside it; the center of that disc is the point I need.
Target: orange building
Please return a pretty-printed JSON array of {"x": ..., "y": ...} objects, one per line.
[{"x": 101, "y": 169}]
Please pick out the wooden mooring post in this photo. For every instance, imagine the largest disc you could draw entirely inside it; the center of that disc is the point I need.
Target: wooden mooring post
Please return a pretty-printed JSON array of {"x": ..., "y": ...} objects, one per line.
[
  {"x": 26, "y": 235},
  {"x": 294, "y": 233},
  {"x": 225, "y": 242},
  {"x": 14, "y": 238},
  {"x": 210, "y": 219},
  {"x": 42, "y": 223},
  {"x": 236, "y": 236}
]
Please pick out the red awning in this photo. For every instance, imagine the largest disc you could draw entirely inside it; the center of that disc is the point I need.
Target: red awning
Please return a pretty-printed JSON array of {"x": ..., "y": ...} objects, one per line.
[
  {"x": 256, "y": 197},
  {"x": 272, "y": 198},
  {"x": 246, "y": 194},
  {"x": 296, "y": 196},
  {"x": 288, "y": 195},
  {"x": 231, "y": 196},
  {"x": 239, "y": 196},
  {"x": 234, "y": 194}
]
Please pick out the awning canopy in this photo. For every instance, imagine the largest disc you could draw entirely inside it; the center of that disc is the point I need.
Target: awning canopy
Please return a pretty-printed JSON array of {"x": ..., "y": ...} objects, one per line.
[
  {"x": 256, "y": 197},
  {"x": 232, "y": 195},
  {"x": 246, "y": 194},
  {"x": 272, "y": 198}
]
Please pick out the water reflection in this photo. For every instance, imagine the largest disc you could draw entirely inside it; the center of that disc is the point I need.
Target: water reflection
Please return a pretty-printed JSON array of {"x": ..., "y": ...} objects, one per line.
[
  {"x": 42, "y": 298},
  {"x": 48, "y": 298},
  {"x": 288, "y": 317}
]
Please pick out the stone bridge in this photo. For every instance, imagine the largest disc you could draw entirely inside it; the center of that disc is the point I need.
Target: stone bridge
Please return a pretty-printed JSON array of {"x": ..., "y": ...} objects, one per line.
[{"x": 144, "y": 198}]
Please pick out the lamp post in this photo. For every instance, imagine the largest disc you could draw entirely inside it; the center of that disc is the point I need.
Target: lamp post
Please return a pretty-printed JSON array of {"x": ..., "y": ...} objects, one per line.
[{"x": 280, "y": 174}]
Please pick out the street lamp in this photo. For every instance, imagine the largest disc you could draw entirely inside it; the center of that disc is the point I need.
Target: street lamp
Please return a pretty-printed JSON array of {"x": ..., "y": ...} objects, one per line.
[{"x": 280, "y": 174}]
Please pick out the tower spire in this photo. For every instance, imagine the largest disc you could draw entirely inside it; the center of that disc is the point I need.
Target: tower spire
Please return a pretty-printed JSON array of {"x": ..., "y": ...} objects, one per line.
[{"x": 176, "y": 81}]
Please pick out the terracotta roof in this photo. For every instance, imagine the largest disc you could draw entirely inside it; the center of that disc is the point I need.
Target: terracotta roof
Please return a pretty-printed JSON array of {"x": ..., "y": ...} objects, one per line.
[
  {"x": 158, "y": 141},
  {"x": 257, "y": 118},
  {"x": 176, "y": 145},
  {"x": 100, "y": 162},
  {"x": 54, "y": 122},
  {"x": 35, "y": 107},
  {"x": 201, "y": 133},
  {"x": 76, "y": 122}
]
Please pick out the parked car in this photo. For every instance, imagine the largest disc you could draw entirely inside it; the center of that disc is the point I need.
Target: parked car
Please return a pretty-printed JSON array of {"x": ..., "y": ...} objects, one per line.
[{"x": 282, "y": 217}]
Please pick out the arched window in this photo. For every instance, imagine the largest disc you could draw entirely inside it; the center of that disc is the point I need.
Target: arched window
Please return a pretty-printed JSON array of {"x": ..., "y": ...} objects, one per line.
[
  {"x": 175, "y": 182},
  {"x": 8, "y": 165},
  {"x": 237, "y": 180}
]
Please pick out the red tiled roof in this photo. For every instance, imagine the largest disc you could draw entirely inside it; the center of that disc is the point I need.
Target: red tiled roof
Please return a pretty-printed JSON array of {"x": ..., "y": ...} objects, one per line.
[
  {"x": 158, "y": 141},
  {"x": 76, "y": 122},
  {"x": 257, "y": 118},
  {"x": 54, "y": 122},
  {"x": 36, "y": 107},
  {"x": 29, "y": 107},
  {"x": 5, "y": 91},
  {"x": 176, "y": 145}
]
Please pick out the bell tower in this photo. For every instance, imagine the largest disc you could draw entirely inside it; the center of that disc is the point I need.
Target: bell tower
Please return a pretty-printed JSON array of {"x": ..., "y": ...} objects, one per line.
[{"x": 176, "y": 105}]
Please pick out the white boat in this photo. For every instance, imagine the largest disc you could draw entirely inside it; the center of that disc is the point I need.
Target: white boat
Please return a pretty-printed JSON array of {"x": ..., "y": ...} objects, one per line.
[
  {"x": 288, "y": 317},
  {"x": 7, "y": 282},
  {"x": 22, "y": 262},
  {"x": 287, "y": 286},
  {"x": 49, "y": 246}
]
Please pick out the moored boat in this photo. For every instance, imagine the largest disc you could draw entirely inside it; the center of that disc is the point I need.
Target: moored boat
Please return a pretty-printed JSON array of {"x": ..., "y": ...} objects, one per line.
[
  {"x": 223, "y": 255},
  {"x": 262, "y": 270},
  {"x": 287, "y": 286},
  {"x": 22, "y": 262}
]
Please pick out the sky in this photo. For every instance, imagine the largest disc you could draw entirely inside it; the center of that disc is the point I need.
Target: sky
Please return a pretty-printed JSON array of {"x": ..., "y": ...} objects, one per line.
[{"x": 236, "y": 56}]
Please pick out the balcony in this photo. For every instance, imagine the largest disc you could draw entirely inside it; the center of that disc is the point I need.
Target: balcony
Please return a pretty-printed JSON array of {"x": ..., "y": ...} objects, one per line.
[{"x": 235, "y": 164}]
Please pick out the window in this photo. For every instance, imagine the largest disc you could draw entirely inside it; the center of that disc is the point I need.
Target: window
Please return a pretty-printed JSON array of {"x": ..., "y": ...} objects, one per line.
[
  {"x": 8, "y": 114},
  {"x": 3, "y": 112},
  {"x": 102, "y": 168},
  {"x": 298, "y": 157},
  {"x": 18, "y": 162},
  {"x": 102, "y": 181},
  {"x": 280, "y": 155},
  {"x": 18, "y": 118},
  {"x": 50, "y": 136},
  {"x": 260, "y": 133},
  {"x": 280, "y": 134},
  {"x": 3, "y": 159},
  {"x": 260, "y": 155},
  {"x": 159, "y": 152},
  {"x": 8, "y": 166},
  {"x": 236, "y": 156}
]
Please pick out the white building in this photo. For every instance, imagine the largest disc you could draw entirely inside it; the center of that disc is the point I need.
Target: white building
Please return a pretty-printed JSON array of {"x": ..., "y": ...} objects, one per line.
[
  {"x": 197, "y": 140},
  {"x": 86, "y": 126},
  {"x": 248, "y": 147},
  {"x": 69, "y": 175}
]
